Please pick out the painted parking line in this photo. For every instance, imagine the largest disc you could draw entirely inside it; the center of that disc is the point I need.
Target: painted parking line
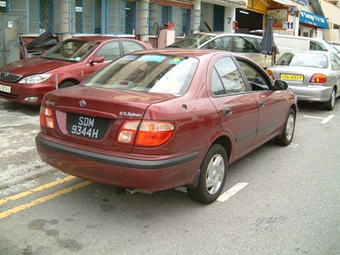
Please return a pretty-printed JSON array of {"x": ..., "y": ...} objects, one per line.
[
  {"x": 226, "y": 195},
  {"x": 232, "y": 191},
  {"x": 324, "y": 120},
  {"x": 43, "y": 199},
  {"x": 37, "y": 189}
]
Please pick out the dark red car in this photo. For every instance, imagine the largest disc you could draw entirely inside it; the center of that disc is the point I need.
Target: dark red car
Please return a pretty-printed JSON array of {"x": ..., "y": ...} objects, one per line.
[
  {"x": 158, "y": 119},
  {"x": 66, "y": 64}
]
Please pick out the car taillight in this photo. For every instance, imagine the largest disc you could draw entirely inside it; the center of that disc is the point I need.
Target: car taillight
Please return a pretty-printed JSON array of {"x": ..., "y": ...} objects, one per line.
[
  {"x": 145, "y": 133},
  {"x": 270, "y": 73},
  {"x": 46, "y": 117},
  {"x": 318, "y": 78}
]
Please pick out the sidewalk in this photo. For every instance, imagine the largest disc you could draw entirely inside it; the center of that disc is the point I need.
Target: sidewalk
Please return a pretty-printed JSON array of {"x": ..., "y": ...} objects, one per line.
[{"x": 19, "y": 161}]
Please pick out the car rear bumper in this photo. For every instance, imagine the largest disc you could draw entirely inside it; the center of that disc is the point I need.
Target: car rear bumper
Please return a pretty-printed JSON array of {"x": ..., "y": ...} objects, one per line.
[
  {"x": 138, "y": 173},
  {"x": 312, "y": 93}
]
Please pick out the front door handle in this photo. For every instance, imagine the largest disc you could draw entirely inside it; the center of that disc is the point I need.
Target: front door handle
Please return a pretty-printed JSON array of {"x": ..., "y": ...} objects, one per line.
[
  {"x": 227, "y": 111},
  {"x": 261, "y": 104}
]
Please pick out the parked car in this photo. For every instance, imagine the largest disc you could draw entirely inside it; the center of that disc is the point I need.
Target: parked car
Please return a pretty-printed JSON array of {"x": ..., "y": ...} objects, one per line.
[
  {"x": 313, "y": 75},
  {"x": 66, "y": 64},
  {"x": 159, "y": 119},
  {"x": 335, "y": 44},
  {"x": 290, "y": 42},
  {"x": 248, "y": 45}
]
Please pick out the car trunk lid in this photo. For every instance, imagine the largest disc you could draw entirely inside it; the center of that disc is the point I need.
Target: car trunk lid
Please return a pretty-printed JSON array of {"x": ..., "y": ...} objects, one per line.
[{"x": 86, "y": 115}]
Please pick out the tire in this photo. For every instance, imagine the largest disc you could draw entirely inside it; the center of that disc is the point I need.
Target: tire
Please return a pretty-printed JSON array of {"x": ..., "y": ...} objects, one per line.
[
  {"x": 212, "y": 176},
  {"x": 288, "y": 131},
  {"x": 329, "y": 105},
  {"x": 66, "y": 84}
]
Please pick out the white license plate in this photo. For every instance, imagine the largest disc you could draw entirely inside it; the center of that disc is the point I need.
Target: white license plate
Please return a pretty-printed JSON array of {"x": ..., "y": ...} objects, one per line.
[
  {"x": 86, "y": 126},
  {"x": 5, "y": 88}
]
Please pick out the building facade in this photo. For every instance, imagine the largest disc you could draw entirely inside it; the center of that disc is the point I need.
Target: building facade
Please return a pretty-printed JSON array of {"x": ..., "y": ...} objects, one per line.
[{"x": 145, "y": 18}]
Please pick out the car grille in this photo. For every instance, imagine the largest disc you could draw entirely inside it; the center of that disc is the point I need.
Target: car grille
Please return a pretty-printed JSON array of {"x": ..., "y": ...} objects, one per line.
[{"x": 9, "y": 77}]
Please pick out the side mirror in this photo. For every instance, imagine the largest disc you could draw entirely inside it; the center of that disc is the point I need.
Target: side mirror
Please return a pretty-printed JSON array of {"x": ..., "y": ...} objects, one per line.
[
  {"x": 97, "y": 59},
  {"x": 280, "y": 85}
]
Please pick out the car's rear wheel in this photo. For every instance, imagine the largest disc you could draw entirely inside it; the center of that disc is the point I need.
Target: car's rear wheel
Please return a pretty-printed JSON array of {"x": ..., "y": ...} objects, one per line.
[
  {"x": 212, "y": 176},
  {"x": 288, "y": 131},
  {"x": 329, "y": 105},
  {"x": 66, "y": 84}
]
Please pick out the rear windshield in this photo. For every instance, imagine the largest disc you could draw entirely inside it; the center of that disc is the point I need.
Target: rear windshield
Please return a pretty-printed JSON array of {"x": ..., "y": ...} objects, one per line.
[
  {"x": 307, "y": 59},
  {"x": 149, "y": 73}
]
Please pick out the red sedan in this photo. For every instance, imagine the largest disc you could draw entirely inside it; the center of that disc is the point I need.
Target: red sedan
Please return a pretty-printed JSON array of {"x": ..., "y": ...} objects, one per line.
[
  {"x": 158, "y": 119},
  {"x": 66, "y": 64}
]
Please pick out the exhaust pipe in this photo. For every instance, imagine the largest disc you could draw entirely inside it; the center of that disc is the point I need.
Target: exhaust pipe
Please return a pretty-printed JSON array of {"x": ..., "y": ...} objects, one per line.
[
  {"x": 134, "y": 191},
  {"x": 131, "y": 191}
]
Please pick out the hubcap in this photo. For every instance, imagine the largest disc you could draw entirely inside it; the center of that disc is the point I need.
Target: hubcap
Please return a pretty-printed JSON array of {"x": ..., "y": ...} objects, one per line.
[
  {"x": 290, "y": 127},
  {"x": 215, "y": 174}
]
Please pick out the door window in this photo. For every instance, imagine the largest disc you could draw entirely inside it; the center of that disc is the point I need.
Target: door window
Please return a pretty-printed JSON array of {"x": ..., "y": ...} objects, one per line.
[
  {"x": 226, "y": 78},
  {"x": 110, "y": 51}
]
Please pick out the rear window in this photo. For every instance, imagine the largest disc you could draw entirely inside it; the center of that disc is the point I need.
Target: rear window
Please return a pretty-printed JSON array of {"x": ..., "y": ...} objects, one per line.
[
  {"x": 149, "y": 73},
  {"x": 307, "y": 59}
]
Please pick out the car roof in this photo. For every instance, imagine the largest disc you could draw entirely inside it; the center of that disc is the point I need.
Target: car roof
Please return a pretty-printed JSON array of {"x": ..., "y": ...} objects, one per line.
[
  {"x": 310, "y": 52},
  {"x": 219, "y": 34},
  {"x": 192, "y": 52},
  {"x": 99, "y": 38}
]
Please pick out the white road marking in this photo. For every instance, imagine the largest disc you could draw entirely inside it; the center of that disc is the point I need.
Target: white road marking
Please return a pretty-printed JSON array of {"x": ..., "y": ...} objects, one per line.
[
  {"x": 324, "y": 120},
  {"x": 232, "y": 191},
  {"x": 293, "y": 145},
  {"x": 327, "y": 119}
]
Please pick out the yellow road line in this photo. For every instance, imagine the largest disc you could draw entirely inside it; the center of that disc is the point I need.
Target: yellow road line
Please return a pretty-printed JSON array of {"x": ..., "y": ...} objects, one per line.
[
  {"x": 40, "y": 188},
  {"x": 43, "y": 199}
]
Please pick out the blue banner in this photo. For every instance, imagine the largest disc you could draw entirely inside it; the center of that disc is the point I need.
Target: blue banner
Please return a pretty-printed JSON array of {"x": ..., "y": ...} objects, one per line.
[{"x": 313, "y": 19}]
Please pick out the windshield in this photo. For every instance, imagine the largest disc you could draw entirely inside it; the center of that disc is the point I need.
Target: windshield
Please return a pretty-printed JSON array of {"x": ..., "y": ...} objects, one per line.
[
  {"x": 192, "y": 41},
  {"x": 71, "y": 50},
  {"x": 149, "y": 73},
  {"x": 331, "y": 48}
]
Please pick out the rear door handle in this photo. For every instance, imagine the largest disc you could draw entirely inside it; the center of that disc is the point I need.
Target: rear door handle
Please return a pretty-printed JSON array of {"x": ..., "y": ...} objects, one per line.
[{"x": 227, "y": 111}]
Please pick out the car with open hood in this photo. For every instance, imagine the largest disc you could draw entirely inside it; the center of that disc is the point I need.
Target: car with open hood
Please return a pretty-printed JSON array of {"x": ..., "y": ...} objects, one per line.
[
  {"x": 66, "y": 64},
  {"x": 158, "y": 119}
]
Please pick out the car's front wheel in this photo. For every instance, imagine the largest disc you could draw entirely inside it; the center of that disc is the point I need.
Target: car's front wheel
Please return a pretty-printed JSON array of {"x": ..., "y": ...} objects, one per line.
[
  {"x": 212, "y": 176},
  {"x": 329, "y": 105},
  {"x": 288, "y": 130}
]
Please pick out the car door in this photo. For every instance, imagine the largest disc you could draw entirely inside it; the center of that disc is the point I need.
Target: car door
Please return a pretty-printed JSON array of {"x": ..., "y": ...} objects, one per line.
[
  {"x": 235, "y": 104},
  {"x": 271, "y": 103}
]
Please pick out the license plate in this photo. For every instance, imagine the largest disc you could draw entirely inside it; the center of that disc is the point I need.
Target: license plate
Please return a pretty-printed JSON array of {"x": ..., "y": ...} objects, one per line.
[
  {"x": 291, "y": 77},
  {"x": 5, "y": 88},
  {"x": 86, "y": 126}
]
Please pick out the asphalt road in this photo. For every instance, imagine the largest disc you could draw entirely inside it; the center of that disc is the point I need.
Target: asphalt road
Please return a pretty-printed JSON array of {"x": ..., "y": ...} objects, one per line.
[{"x": 278, "y": 200}]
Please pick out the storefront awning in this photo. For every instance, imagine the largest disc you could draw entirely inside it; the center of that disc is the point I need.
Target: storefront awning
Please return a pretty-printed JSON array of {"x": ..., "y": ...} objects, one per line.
[
  {"x": 313, "y": 19},
  {"x": 285, "y": 2}
]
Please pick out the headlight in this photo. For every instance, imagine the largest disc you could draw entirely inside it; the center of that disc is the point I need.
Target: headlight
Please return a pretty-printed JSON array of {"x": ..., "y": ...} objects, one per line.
[{"x": 36, "y": 78}]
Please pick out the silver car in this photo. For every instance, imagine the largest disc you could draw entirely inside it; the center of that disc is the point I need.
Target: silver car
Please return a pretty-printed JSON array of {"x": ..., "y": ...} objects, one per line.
[
  {"x": 246, "y": 44},
  {"x": 314, "y": 76}
]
